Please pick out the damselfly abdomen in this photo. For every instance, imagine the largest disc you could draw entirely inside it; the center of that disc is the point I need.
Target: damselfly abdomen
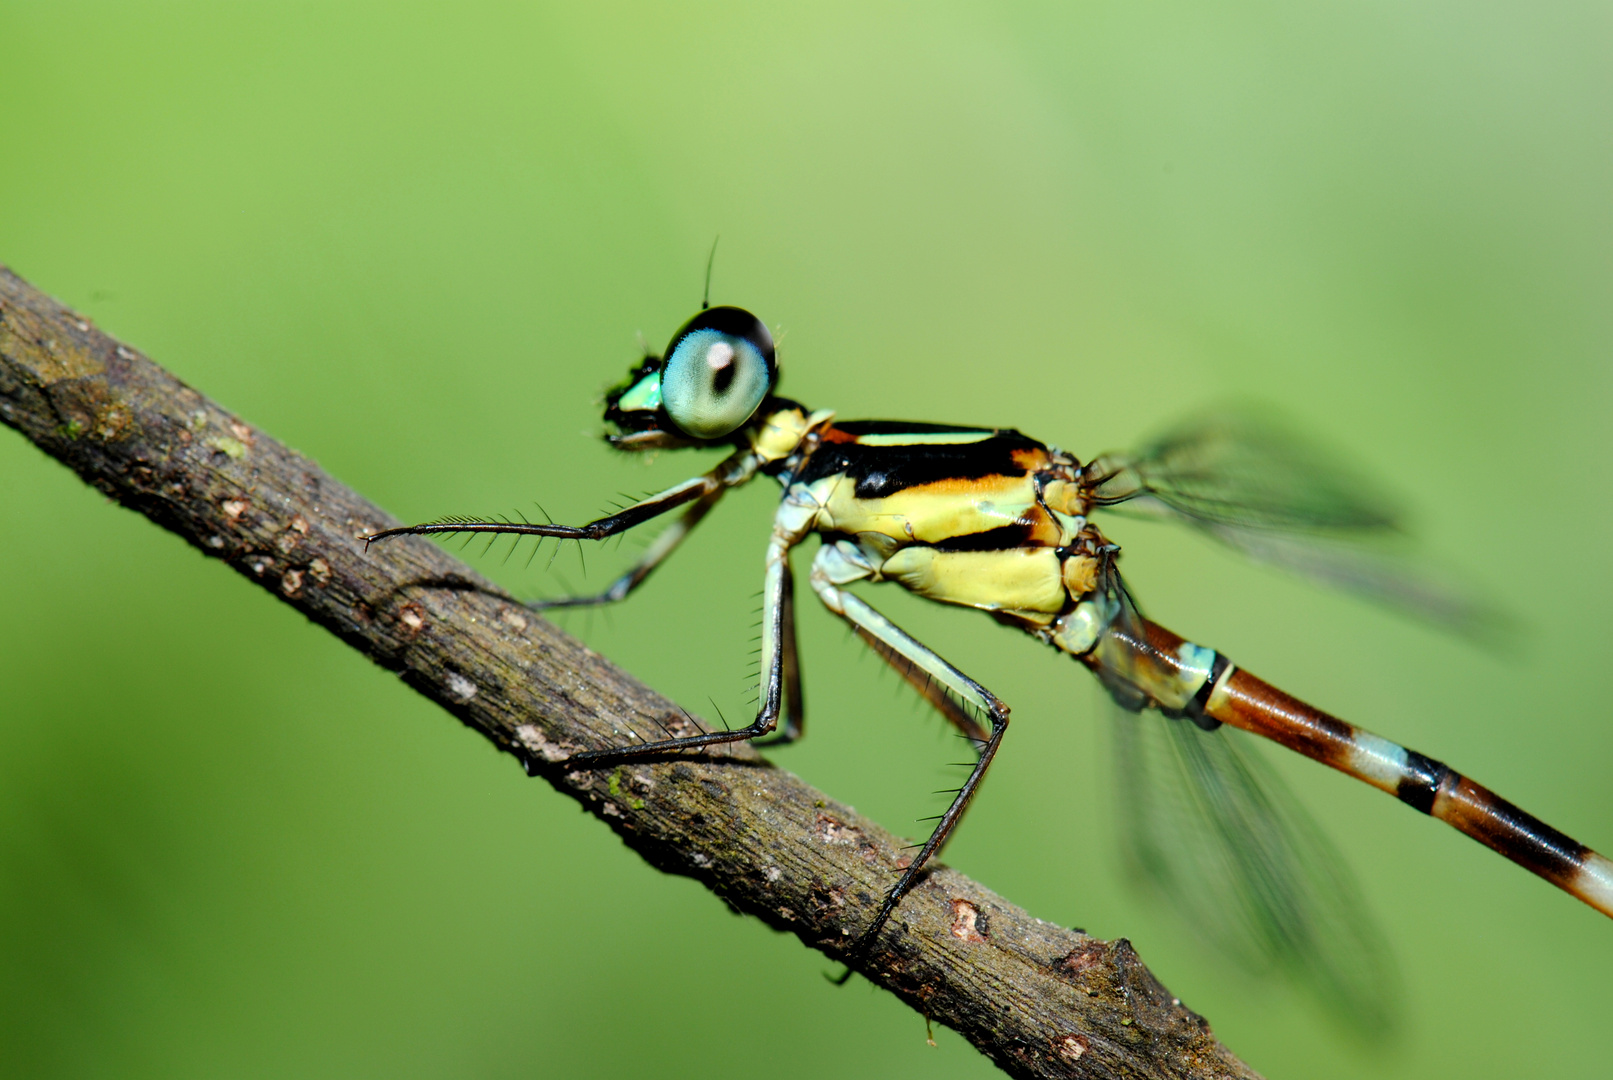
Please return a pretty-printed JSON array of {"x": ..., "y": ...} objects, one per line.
[{"x": 991, "y": 519}]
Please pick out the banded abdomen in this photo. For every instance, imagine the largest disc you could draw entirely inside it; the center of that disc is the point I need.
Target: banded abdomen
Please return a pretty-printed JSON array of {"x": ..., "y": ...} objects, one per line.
[{"x": 1143, "y": 663}]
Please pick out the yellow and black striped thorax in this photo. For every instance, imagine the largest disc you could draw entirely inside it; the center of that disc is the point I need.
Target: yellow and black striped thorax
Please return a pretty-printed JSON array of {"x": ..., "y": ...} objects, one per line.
[{"x": 984, "y": 517}]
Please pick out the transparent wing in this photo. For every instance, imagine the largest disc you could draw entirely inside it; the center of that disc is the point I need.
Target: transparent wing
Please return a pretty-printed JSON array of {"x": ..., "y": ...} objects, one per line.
[
  {"x": 1252, "y": 484},
  {"x": 1238, "y": 468},
  {"x": 1210, "y": 827},
  {"x": 1396, "y": 579}
]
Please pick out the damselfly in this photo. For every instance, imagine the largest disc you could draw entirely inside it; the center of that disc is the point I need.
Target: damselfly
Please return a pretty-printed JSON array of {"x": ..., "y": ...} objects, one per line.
[{"x": 991, "y": 519}]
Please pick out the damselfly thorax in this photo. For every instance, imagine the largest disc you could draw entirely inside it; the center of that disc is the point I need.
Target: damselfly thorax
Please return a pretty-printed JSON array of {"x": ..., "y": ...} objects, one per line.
[{"x": 991, "y": 519}]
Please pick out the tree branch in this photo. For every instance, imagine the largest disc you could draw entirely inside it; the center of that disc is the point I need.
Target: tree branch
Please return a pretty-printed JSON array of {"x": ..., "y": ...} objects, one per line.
[{"x": 1039, "y": 1000}]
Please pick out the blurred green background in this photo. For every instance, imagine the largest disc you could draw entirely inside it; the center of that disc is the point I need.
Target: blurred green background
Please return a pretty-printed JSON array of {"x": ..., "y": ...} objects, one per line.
[{"x": 415, "y": 241}]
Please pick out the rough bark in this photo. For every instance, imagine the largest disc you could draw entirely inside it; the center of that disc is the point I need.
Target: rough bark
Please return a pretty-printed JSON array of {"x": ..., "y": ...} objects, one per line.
[{"x": 1039, "y": 1000}]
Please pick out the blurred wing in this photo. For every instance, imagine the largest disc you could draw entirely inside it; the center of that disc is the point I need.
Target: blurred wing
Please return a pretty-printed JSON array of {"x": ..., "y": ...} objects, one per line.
[
  {"x": 1208, "y": 825},
  {"x": 1237, "y": 469},
  {"x": 1394, "y": 580},
  {"x": 1257, "y": 487}
]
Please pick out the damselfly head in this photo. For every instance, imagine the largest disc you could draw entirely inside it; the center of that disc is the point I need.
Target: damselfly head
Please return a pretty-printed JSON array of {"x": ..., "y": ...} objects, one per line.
[{"x": 718, "y": 370}]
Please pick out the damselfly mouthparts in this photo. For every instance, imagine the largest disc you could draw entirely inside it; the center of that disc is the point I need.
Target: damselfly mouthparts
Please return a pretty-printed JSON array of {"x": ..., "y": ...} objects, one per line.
[{"x": 991, "y": 519}]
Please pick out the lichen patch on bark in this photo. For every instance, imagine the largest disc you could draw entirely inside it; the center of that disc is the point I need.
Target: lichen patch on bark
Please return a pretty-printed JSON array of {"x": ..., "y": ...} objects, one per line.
[
  {"x": 1071, "y": 1047},
  {"x": 966, "y": 922},
  {"x": 533, "y": 739},
  {"x": 461, "y": 687}
]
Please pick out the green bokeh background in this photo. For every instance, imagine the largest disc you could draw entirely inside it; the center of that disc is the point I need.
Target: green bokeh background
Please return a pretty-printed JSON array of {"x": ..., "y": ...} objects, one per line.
[{"x": 415, "y": 241}]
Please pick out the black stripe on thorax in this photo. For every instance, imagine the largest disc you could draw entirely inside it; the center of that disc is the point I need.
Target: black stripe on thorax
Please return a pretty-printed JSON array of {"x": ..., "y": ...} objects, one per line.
[
  {"x": 880, "y": 471},
  {"x": 1004, "y": 538}
]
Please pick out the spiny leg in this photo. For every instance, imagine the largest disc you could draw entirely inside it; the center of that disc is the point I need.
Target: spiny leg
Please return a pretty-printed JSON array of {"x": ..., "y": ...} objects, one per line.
[
  {"x": 790, "y": 664},
  {"x": 936, "y": 694},
  {"x": 832, "y": 568},
  {"x": 775, "y": 607},
  {"x": 929, "y": 689},
  {"x": 663, "y": 546},
  {"x": 733, "y": 471}
]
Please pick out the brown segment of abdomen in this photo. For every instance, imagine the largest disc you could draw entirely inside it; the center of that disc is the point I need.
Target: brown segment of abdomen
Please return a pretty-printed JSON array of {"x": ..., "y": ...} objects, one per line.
[{"x": 1244, "y": 701}]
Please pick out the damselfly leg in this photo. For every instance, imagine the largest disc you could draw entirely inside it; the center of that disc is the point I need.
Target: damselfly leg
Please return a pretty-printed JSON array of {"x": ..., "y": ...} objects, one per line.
[
  {"x": 836, "y": 566},
  {"x": 710, "y": 486},
  {"x": 789, "y": 667},
  {"x": 931, "y": 690},
  {"x": 778, "y": 639},
  {"x": 661, "y": 547}
]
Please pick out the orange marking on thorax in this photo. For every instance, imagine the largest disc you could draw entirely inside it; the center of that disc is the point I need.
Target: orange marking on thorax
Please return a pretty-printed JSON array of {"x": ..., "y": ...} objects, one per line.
[{"x": 1032, "y": 458}]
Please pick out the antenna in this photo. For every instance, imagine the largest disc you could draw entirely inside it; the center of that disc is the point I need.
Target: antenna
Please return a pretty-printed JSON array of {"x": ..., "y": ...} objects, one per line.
[{"x": 705, "y": 298}]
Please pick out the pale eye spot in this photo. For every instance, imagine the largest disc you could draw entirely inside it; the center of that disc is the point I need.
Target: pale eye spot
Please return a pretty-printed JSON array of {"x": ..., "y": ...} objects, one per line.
[{"x": 719, "y": 356}]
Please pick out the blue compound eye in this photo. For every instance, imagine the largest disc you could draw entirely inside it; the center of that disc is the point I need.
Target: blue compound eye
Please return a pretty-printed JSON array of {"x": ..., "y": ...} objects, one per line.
[{"x": 718, "y": 369}]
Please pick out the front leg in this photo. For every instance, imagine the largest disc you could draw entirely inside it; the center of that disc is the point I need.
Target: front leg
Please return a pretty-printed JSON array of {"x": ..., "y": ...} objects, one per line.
[
  {"x": 732, "y": 472},
  {"x": 663, "y": 546}
]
